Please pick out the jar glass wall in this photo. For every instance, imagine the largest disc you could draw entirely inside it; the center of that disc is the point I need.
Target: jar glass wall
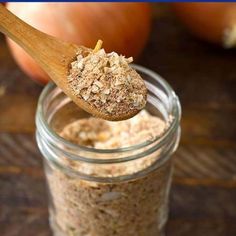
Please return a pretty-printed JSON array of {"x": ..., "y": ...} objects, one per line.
[{"x": 106, "y": 192}]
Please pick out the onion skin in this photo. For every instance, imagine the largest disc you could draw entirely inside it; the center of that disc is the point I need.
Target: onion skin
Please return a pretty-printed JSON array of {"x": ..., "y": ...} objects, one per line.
[
  {"x": 213, "y": 22},
  {"x": 123, "y": 27}
]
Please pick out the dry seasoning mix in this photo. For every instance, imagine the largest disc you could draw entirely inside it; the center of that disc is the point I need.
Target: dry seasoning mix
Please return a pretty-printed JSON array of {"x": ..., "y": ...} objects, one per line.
[
  {"x": 107, "y": 82},
  {"x": 89, "y": 208},
  {"x": 103, "y": 134}
]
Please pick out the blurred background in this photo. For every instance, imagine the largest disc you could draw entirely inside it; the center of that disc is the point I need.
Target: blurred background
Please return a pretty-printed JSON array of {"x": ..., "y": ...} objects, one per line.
[{"x": 191, "y": 45}]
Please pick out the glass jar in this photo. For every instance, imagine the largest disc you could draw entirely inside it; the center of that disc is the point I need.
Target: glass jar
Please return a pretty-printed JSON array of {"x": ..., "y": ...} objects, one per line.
[{"x": 85, "y": 198}]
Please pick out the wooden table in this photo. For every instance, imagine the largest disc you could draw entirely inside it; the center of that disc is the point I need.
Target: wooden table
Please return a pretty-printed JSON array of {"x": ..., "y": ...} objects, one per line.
[{"x": 204, "y": 186}]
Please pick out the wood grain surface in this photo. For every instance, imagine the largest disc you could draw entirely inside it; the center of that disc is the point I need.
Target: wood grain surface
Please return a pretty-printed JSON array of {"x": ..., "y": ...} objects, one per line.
[{"x": 204, "y": 185}]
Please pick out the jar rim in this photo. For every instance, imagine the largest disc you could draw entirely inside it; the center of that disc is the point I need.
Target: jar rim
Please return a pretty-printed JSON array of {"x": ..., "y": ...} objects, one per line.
[{"x": 160, "y": 140}]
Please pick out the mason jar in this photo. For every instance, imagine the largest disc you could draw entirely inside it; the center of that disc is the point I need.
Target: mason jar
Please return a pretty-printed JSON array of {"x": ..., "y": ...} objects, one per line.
[{"x": 85, "y": 199}]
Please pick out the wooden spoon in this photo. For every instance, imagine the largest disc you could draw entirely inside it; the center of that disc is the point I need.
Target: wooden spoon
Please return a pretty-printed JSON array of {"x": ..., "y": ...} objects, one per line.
[{"x": 53, "y": 55}]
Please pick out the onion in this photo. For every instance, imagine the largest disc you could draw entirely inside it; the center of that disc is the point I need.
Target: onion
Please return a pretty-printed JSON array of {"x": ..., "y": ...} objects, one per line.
[
  {"x": 213, "y": 22},
  {"x": 123, "y": 27}
]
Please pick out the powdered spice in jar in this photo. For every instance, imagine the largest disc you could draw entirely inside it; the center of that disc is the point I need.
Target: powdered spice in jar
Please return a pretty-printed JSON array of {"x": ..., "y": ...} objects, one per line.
[{"x": 99, "y": 209}]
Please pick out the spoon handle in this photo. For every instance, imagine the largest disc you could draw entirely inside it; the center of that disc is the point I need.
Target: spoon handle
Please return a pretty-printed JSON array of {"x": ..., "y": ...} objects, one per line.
[
  {"x": 49, "y": 52},
  {"x": 19, "y": 31}
]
